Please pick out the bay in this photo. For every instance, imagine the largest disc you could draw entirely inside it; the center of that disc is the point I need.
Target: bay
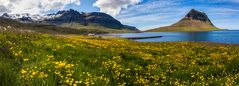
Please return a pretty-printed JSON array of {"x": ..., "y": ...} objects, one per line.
[{"x": 224, "y": 36}]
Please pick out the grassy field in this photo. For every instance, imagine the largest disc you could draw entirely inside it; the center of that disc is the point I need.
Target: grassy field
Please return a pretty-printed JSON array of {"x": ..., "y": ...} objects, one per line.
[
  {"x": 94, "y": 27},
  {"x": 186, "y": 25},
  {"x": 30, "y": 59}
]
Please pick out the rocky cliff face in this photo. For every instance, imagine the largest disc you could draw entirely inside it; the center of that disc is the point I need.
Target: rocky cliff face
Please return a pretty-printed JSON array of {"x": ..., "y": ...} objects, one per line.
[
  {"x": 193, "y": 21},
  {"x": 197, "y": 15},
  {"x": 68, "y": 16},
  {"x": 72, "y": 16}
]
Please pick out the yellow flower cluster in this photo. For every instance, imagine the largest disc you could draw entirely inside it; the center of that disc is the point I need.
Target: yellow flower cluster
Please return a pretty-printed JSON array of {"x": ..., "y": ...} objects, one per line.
[
  {"x": 63, "y": 64},
  {"x": 27, "y": 74}
]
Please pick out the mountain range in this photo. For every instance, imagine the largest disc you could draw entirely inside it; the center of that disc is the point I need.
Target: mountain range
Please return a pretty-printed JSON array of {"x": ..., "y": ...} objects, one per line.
[
  {"x": 69, "y": 17},
  {"x": 72, "y": 21},
  {"x": 194, "y": 20}
]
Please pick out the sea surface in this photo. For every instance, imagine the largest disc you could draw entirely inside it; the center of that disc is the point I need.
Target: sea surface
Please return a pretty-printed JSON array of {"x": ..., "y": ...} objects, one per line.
[{"x": 225, "y": 36}]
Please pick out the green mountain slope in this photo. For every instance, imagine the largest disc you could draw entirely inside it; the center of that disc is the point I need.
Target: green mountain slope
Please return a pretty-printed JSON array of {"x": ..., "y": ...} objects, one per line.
[
  {"x": 69, "y": 28},
  {"x": 193, "y": 21}
]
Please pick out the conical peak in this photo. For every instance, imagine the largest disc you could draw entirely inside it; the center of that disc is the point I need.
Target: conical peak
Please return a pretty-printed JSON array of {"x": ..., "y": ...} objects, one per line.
[
  {"x": 194, "y": 11},
  {"x": 197, "y": 15}
]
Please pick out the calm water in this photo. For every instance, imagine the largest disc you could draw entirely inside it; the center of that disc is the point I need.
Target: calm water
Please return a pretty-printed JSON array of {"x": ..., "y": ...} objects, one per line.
[{"x": 229, "y": 37}]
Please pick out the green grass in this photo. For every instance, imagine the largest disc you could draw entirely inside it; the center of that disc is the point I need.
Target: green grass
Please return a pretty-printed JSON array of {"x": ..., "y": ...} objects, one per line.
[
  {"x": 41, "y": 60},
  {"x": 186, "y": 25},
  {"x": 95, "y": 27},
  {"x": 182, "y": 29}
]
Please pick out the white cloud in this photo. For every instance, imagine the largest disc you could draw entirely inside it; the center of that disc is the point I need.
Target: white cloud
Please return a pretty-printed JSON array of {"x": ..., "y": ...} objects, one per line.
[
  {"x": 152, "y": 14},
  {"x": 159, "y": 13},
  {"x": 34, "y": 6},
  {"x": 3, "y": 9},
  {"x": 114, "y": 7}
]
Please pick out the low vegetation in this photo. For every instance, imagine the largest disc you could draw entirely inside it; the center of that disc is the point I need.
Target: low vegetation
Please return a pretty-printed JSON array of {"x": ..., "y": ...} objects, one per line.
[
  {"x": 187, "y": 25},
  {"x": 47, "y": 60},
  {"x": 70, "y": 28},
  {"x": 95, "y": 27}
]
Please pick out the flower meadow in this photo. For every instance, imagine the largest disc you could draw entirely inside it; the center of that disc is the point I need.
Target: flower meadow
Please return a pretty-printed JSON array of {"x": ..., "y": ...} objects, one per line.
[{"x": 31, "y": 59}]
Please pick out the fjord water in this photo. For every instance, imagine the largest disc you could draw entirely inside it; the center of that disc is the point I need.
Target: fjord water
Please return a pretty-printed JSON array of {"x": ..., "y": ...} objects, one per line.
[{"x": 225, "y": 36}]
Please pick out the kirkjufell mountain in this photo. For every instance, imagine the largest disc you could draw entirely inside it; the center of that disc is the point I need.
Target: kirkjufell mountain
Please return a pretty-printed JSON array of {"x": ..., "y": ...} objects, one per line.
[
  {"x": 72, "y": 17},
  {"x": 193, "y": 21}
]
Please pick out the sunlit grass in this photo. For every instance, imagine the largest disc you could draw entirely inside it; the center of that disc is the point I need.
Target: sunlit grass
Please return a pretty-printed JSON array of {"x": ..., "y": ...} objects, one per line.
[{"x": 40, "y": 59}]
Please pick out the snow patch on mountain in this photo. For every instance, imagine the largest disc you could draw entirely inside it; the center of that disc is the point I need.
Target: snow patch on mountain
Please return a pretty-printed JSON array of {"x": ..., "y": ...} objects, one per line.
[{"x": 36, "y": 17}]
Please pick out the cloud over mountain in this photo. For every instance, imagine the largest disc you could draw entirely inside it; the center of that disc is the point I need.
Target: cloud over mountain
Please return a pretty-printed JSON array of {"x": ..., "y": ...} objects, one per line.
[
  {"x": 34, "y": 6},
  {"x": 113, "y": 7}
]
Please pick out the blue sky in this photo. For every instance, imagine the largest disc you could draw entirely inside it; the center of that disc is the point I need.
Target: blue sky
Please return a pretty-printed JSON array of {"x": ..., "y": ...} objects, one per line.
[
  {"x": 144, "y": 14},
  {"x": 156, "y": 13},
  {"x": 150, "y": 14}
]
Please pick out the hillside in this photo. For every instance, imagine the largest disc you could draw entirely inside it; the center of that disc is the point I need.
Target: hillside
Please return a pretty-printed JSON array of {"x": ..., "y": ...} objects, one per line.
[
  {"x": 69, "y": 28},
  {"x": 8, "y": 24},
  {"x": 73, "y": 16},
  {"x": 193, "y": 21},
  {"x": 86, "y": 22}
]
